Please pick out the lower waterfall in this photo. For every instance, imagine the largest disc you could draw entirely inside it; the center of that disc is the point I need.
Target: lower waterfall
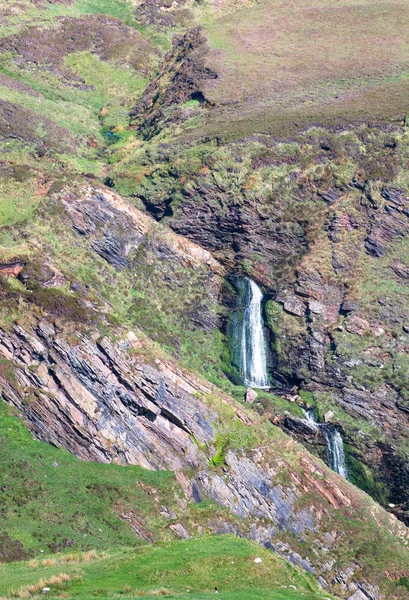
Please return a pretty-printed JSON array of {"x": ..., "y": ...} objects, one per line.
[
  {"x": 334, "y": 444},
  {"x": 249, "y": 350}
]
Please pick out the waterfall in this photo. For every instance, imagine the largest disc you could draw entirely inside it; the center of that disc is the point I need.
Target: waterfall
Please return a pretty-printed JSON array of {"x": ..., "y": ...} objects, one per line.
[
  {"x": 333, "y": 441},
  {"x": 335, "y": 450},
  {"x": 249, "y": 350}
]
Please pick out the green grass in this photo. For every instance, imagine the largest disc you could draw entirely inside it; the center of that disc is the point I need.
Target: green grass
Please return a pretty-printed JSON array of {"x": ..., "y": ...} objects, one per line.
[
  {"x": 187, "y": 569},
  {"x": 78, "y": 110},
  {"x": 53, "y": 501},
  {"x": 50, "y": 499},
  {"x": 281, "y": 69},
  {"x": 18, "y": 202}
]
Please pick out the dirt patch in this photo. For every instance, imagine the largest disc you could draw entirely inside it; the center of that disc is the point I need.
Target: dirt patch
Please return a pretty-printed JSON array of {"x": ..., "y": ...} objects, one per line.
[{"x": 11, "y": 550}]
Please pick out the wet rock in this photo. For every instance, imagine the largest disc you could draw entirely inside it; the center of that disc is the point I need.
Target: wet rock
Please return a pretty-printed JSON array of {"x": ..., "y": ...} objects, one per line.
[
  {"x": 301, "y": 426},
  {"x": 328, "y": 416}
]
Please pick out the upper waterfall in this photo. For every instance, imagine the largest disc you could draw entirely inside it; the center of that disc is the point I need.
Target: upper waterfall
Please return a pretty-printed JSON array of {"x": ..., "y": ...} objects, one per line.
[{"x": 249, "y": 349}]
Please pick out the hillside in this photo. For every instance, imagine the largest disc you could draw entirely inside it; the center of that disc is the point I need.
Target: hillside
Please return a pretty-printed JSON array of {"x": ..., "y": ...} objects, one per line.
[{"x": 157, "y": 158}]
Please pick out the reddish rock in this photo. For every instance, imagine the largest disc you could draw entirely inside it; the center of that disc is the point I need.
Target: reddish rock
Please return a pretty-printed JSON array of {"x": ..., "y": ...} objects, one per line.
[
  {"x": 357, "y": 325},
  {"x": 12, "y": 269}
]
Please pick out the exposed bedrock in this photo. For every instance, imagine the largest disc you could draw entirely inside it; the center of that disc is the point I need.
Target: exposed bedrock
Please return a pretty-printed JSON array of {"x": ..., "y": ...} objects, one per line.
[
  {"x": 88, "y": 398},
  {"x": 103, "y": 401},
  {"x": 337, "y": 328},
  {"x": 349, "y": 346}
]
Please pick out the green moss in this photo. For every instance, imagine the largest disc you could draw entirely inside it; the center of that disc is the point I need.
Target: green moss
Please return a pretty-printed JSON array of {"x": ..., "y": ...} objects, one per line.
[
  {"x": 222, "y": 445},
  {"x": 361, "y": 476}
]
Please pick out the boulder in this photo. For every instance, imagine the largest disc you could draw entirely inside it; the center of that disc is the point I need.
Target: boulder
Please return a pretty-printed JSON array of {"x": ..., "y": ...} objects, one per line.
[
  {"x": 357, "y": 325},
  {"x": 294, "y": 306},
  {"x": 251, "y": 395},
  {"x": 328, "y": 416}
]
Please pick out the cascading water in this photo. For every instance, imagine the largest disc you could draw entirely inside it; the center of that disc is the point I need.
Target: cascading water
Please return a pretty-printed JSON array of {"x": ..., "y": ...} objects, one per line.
[
  {"x": 249, "y": 350},
  {"x": 334, "y": 444},
  {"x": 335, "y": 450}
]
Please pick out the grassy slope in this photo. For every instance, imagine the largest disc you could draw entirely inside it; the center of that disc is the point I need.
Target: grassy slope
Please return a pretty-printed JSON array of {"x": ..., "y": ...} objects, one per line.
[
  {"x": 79, "y": 112},
  {"x": 51, "y": 501},
  {"x": 283, "y": 64},
  {"x": 183, "y": 569},
  {"x": 60, "y": 501}
]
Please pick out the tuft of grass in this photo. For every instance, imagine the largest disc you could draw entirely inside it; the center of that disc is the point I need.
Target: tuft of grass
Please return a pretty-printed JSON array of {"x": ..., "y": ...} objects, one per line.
[{"x": 18, "y": 202}]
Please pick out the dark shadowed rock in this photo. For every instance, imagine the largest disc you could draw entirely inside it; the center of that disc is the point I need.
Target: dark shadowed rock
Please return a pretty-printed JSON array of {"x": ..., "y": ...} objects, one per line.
[
  {"x": 375, "y": 247},
  {"x": 301, "y": 426}
]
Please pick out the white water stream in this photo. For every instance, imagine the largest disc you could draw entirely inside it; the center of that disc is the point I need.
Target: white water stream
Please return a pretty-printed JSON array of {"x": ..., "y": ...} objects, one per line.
[
  {"x": 334, "y": 443},
  {"x": 253, "y": 351},
  {"x": 247, "y": 331}
]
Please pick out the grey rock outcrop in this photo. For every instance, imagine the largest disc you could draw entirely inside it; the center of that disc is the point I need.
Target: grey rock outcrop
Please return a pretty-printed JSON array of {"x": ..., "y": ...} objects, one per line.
[{"x": 104, "y": 401}]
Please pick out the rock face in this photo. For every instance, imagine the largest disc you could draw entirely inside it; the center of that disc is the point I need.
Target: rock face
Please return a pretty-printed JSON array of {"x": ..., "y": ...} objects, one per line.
[
  {"x": 91, "y": 400},
  {"x": 338, "y": 311},
  {"x": 352, "y": 350},
  {"x": 103, "y": 401},
  {"x": 301, "y": 426},
  {"x": 181, "y": 80},
  {"x": 184, "y": 278},
  {"x": 115, "y": 229}
]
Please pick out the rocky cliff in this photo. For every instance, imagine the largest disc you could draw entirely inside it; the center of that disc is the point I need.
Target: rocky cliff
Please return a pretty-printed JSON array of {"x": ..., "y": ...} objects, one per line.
[
  {"x": 329, "y": 245},
  {"x": 102, "y": 401},
  {"x": 140, "y": 171}
]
